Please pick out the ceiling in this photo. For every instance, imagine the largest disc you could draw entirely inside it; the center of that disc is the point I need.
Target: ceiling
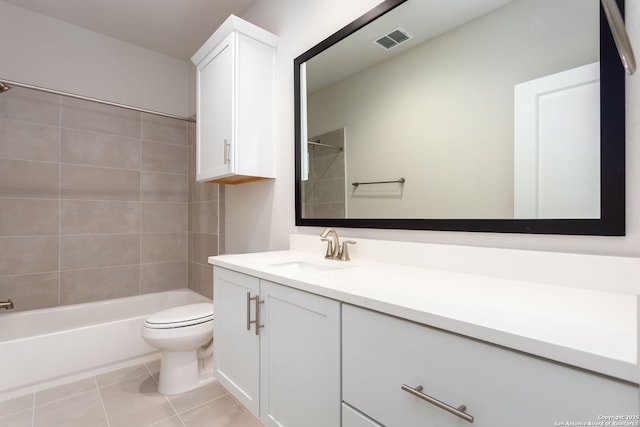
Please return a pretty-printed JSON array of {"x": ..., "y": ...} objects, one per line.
[
  {"x": 173, "y": 27},
  {"x": 423, "y": 20}
]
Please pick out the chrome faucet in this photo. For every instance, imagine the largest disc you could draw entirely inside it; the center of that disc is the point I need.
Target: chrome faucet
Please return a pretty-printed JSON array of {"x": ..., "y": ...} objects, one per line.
[
  {"x": 7, "y": 305},
  {"x": 334, "y": 250},
  {"x": 332, "y": 245}
]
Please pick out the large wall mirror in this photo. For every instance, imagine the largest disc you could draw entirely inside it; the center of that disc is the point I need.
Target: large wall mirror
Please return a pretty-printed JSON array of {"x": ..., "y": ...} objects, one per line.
[{"x": 483, "y": 115}]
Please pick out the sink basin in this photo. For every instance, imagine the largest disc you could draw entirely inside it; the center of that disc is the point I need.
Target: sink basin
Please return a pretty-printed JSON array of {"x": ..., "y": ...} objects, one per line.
[{"x": 303, "y": 266}]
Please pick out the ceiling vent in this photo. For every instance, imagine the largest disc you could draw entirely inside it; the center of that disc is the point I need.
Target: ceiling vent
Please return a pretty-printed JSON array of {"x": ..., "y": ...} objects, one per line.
[{"x": 392, "y": 39}]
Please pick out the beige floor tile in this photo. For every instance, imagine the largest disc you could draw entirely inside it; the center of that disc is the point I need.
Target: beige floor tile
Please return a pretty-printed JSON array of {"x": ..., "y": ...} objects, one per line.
[
  {"x": 122, "y": 375},
  {"x": 223, "y": 412},
  {"x": 170, "y": 422},
  {"x": 126, "y": 397},
  {"x": 18, "y": 419},
  {"x": 135, "y": 402},
  {"x": 154, "y": 369},
  {"x": 17, "y": 404},
  {"x": 198, "y": 397},
  {"x": 153, "y": 365},
  {"x": 63, "y": 391},
  {"x": 80, "y": 410}
]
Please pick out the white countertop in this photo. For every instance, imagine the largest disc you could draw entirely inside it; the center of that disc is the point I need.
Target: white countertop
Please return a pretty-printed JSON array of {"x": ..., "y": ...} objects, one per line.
[{"x": 591, "y": 329}]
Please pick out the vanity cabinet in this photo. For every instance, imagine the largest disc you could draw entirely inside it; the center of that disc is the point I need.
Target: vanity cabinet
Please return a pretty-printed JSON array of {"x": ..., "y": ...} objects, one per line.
[
  {"x": 353, "y": 418},
  {"x": 237, "y": 347},
  {"x": 234, "y": 130},
  {"x": 499, "y": 387},
  {"x": 278, "y": 350}
]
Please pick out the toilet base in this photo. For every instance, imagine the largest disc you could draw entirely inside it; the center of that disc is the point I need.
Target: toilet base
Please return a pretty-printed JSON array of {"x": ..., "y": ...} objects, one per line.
[{"x": 179, "y": 372}]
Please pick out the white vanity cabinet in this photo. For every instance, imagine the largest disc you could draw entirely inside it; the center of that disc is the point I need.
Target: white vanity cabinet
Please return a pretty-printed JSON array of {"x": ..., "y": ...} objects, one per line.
[
  {"x": 353, "y": 418},
  {"x": 234, "y": 136},
  {"x": 287, "y": 371},
  {"x": 237, "y": 347},
  {"x": 499, "y": 387}
]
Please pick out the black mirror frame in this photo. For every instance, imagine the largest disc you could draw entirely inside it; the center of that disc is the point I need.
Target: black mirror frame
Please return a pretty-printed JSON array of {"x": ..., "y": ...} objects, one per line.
[{"x": 612, "y": 152}]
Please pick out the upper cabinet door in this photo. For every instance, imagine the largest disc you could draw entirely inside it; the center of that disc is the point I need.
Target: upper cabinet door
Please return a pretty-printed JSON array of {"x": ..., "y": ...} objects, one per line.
[
  {"x": 215, "y": 106},
  {"x": 235, "y": 104}
]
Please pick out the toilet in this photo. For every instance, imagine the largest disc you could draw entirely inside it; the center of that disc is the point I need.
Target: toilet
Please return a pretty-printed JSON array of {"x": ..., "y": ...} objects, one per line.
[{"x": 184, "y": 335}]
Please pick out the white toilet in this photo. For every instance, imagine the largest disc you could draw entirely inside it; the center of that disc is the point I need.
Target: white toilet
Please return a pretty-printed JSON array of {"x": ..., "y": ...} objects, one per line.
[{"x": 184, "y": 335}]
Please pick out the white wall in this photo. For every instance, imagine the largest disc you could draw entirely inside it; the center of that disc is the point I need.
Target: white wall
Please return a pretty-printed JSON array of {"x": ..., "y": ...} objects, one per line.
[
  {"x": 42, "y": 51},
  {"x": 261, "y": 215}
]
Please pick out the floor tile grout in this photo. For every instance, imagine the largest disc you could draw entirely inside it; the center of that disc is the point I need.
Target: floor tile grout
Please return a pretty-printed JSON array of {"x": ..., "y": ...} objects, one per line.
[
  {"x": 179, "y": 408},
  {"x": 33, "y": 410},
  {"x": 174, "y": 410},
  {"x": 35, "y": 400},
  {"x": 202, "y": 404},
  {"x": 104, "y": 410}
]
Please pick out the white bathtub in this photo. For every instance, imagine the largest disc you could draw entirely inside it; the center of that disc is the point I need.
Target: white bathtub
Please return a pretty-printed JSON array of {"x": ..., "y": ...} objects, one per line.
[{"x": 40, "y": 347}]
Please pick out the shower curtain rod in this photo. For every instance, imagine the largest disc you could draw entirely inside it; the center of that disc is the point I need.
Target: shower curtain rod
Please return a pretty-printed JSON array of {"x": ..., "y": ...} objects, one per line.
[{"x": 11, "y": 83}]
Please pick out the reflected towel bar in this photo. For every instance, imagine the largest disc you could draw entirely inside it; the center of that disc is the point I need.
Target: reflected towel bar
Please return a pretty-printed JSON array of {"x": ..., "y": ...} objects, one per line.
[
  {"x": 398, "y": 181},
  {"x": 324, "y": 145}
]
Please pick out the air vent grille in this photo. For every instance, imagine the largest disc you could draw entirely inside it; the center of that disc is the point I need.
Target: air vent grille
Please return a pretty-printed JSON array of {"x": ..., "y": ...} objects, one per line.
[{"x": 392, "y": 39}]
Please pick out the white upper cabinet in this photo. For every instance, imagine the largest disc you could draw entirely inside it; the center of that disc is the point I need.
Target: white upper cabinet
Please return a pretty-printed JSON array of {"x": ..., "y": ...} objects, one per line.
[{"x": 234, "y": 140}]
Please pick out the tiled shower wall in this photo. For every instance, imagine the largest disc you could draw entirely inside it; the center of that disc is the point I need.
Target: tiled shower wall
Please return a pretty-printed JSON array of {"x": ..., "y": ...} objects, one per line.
[
  {"x": 324, "y": 192},
  {"x": 95, "y": 202},
  {"x": 206, "y": 224}
]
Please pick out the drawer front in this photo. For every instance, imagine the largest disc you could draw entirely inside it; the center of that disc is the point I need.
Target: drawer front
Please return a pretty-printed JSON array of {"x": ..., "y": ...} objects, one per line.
[
  {"x": 353, "y": 418},
  {"x": 498, "y": 387}
]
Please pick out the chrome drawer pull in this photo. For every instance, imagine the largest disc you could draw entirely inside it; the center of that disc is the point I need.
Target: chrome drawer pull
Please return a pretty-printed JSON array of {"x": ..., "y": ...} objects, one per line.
[
  {"x": 227, "y": 150},
  {"x": 257, "y": 321},
  {"x": 459, "y": 411},
  {"x": 249, "y": 321}
]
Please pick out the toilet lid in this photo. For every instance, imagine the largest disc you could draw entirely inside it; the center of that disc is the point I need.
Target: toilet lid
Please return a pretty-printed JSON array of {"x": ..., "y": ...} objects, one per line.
[{"x": 184, "y": 315}]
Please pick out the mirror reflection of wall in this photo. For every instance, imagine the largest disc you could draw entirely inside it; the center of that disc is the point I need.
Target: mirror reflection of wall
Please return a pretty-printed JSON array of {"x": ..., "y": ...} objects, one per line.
[
  {"x": 324, "y": 192},
  {"x": 442, "y": 113}
]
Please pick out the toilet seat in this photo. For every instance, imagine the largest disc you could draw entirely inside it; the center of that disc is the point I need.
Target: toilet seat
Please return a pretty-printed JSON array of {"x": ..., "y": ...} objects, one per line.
[{"x": 180, "y": 317}]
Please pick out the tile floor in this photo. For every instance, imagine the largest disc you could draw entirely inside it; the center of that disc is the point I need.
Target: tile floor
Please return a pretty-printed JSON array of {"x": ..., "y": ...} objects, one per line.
[{"x": 124, "y": 398}]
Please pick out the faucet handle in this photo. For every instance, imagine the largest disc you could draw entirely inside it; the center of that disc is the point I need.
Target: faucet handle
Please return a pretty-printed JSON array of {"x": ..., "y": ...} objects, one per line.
[
  {"x": 344, "y": 251},
  {"x": 330, "y": 249}
]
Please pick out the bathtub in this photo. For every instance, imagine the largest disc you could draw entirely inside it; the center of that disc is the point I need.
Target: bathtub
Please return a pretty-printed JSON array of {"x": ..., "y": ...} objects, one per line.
[{"x": 40, "y": 348}]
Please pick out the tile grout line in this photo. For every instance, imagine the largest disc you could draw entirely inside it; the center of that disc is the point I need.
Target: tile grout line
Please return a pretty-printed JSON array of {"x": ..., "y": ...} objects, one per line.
[
  {"x": 140, "y": 198},
  {"x": 58, "y": 399},
  {"x": 104, "y": 410},
  {"x": 33, "y": 411},
  {"x": 59, "y": 210},
  {"x": 200, "y": 405},
  {"x": 175, "y": 411},
  {"x": 188, "y": 232},
  {"x": 98, "y": 166}
]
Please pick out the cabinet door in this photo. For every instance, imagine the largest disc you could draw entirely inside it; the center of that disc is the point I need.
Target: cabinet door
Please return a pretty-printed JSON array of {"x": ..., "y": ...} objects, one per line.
[
  {"x": 215, "y": 112},
  {"x": 236, "y": 348},
  {"x": 499, "y": 387},
  {"x": 300, "y": 358},
  {"x": 353, "y": 418}
]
